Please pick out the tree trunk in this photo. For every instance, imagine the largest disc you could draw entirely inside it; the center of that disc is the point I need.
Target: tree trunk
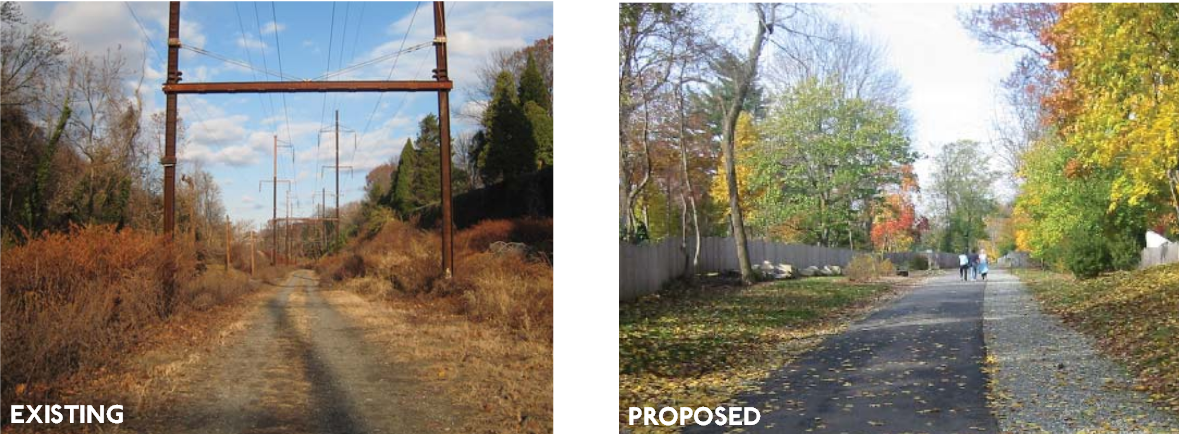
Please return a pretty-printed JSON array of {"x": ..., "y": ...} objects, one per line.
[
  {"x": 693, "y": 261},
  {"x": 1173, "y": 176},
  {"x": 744, "y": 82},
  {"x": 638, "y": 189}
]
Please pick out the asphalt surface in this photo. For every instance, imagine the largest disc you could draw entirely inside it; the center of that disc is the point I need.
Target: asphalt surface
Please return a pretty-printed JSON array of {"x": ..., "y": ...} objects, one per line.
[{"x": 914, "y": 366}]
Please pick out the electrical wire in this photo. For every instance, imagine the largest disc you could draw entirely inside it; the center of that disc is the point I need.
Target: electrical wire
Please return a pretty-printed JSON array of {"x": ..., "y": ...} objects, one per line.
[
  {"x": 368, "y": 123},
  {"x": 249, "y": 58},
  {"x": 285, "y": 112}
]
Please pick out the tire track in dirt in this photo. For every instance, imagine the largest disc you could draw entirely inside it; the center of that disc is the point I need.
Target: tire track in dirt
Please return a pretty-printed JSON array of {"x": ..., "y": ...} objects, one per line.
[{"x": 300, "y": 366}]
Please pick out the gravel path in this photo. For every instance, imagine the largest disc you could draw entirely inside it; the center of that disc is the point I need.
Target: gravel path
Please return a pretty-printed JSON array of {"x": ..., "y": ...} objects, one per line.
[
  {"x": 300, "y": 367},
  {"x": 914, "y": 366},
  {"x": 1049, "y": 378}
]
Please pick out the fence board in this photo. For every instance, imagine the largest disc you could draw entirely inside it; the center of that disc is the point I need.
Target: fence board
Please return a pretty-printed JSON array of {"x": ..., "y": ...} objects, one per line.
[{"x": 644, "y": 269}]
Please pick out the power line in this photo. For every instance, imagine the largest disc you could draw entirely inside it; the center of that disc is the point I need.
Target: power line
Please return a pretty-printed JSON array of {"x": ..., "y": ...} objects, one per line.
[
  {"x": 368, "y": 123},
  {"x": 380, "y": 59},
  {"x": 246, "y": 47},
  {"x": 340, "y": 60},
  {"x": 326, "y": 69},
  {"x": 240, "y": 63},
  {"x": 146, "y": 38},
  {"x": 278, "y": 49},
  {"x": 191, "y": 108},
  {"x": 404, "y": 99},
  {"x": 258, "y": 22}
]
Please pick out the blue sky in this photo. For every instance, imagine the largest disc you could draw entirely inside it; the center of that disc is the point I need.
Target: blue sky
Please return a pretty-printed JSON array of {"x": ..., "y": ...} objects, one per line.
[{"x": 231, "y": 135}]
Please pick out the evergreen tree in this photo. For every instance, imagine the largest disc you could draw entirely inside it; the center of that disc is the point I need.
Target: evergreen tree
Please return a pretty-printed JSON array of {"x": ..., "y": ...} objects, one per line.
[
  {"x": 427, "y": 184},
  {"x": 532, "y": 88},
  {"x": 401, "y": 198},
  {"x": 541, "y": 125},
  {"x": 511, "y": 149}
]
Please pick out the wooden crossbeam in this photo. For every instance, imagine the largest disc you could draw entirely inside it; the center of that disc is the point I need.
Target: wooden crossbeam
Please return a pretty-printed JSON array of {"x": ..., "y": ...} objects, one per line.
[{"x": 309, "y": 86}]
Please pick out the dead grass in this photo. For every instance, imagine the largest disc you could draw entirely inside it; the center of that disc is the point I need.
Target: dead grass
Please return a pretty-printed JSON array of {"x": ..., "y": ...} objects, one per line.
[
  {"x": 82, "y": 301},
  {"x": 507, "y": 382},
  {"x": 511, "y": 290},
  {"x": 486, "y": 335}
]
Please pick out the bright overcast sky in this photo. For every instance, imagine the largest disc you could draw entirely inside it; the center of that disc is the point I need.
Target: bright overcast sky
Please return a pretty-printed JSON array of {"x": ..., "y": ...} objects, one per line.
[
  {"x": 232, "y": 134},
  {"x": 953, "y": 81}
]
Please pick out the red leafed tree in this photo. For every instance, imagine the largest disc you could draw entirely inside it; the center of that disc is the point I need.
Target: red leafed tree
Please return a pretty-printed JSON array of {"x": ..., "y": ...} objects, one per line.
[{"x": 895, "y": 227}]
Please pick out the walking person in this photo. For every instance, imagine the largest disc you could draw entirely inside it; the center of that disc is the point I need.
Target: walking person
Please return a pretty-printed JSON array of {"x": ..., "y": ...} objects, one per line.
[
  {"x": 973, "y": 260},
  {"x": 963, "y": 265},
  {"x": 983, "y": 265}
]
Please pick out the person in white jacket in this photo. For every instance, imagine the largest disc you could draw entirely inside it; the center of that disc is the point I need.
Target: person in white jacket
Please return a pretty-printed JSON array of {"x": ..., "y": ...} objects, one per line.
[{"x": 963, "y": 266}]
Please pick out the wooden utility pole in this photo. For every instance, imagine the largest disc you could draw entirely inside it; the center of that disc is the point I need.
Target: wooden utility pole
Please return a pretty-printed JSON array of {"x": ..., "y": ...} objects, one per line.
[
  {"x": 169, "y": 159},
  {"x": 440, "y": 74},
  {"x": 228, "y": 243},
  {"x": 274, "y": 201},
  {"x": 336, "y": 229},
  {"x": 274, "y": 207},
  {"x": 337, "y": 167},
  {"x": 287, "y": 225},
  {"x": 441, "y": 85}
]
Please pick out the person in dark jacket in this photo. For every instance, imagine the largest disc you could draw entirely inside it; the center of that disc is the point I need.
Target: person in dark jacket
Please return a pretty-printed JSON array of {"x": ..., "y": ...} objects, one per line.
[{"x": 973, "y": 259}]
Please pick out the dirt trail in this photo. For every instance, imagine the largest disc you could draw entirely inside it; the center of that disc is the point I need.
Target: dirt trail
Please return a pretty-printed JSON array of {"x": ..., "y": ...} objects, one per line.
[{"x": 299, "y": 365}]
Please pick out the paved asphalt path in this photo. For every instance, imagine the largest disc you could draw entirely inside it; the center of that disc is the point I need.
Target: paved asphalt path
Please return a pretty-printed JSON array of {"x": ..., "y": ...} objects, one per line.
[{"x": 914, "y": 366}]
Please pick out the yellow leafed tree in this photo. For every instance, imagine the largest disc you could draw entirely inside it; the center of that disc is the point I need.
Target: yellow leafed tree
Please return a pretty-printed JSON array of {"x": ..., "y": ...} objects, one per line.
[
  {"x": 746, "y": 140},
  {"x": 1118, "y": 105}
]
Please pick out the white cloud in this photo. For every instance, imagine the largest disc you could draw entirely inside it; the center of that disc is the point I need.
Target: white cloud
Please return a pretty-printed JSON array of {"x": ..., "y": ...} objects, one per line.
[
  {"x": 271, "y": 27},
  {"x": 237, "y": 155},
  {"x": 250, "y": 42}
]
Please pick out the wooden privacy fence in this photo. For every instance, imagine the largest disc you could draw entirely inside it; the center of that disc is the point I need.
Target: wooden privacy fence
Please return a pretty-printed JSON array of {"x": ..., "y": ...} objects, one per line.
[
  {"x": 1165, "y": 254},
  {"x": 644, "y": 268}
]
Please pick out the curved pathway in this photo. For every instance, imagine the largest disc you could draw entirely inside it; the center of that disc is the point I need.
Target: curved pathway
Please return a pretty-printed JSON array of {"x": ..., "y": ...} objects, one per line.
[{"x": 914, "y": 366}]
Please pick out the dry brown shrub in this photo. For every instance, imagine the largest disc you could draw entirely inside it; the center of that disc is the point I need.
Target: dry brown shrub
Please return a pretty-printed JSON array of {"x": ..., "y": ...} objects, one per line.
[
  {"x": 537, "y": 233},
  {"x": 510, "y": 291},
  {"x": 215, "y": 287},
  {"x": 80, "y": 300},
  {"x": 865, "y": 267}
]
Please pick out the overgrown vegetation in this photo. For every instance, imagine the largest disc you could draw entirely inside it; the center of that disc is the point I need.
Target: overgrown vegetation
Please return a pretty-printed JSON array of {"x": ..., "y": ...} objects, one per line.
[
  {"x": 503, "y": 274},
  {"x": 81, "y": 300},
  {"x": 1133, "y": 314},
  {"x": 867, "y": 267},
  {"x": 700, "y": 346}
]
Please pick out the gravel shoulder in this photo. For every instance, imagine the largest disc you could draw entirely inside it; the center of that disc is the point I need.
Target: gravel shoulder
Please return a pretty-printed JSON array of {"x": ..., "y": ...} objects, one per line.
[{"x": 1045, "y": 377}]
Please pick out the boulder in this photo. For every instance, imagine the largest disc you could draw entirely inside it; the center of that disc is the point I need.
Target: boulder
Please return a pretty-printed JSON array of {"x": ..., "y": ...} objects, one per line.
[
  {"x": 826, "y": 271},
  {"x": 809, "y": 271},
  {"x": 765, "y": 270},
  {"x": 785, "y": 270},
  {"x": 837, "y": 269}
]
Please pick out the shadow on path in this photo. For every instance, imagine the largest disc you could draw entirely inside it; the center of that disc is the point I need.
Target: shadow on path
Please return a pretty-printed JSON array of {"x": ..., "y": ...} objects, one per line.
[{"x": 913, "y": 366}]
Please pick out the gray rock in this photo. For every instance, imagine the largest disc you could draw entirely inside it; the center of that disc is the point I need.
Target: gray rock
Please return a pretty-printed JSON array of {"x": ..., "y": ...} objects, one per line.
[
  {"x": 837, "y": 269},
  {"x": 826, "y": 271},
  {"x": 765, "y": 270},
  {"x": 786, "y": 271},
  {"x": 809, "y": 271}
]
